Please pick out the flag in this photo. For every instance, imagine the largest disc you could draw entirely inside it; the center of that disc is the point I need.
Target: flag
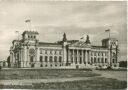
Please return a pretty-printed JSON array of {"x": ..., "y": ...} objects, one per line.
[
  {"x": 28, "y": 20},
  {"x": 108, "y": 30}
]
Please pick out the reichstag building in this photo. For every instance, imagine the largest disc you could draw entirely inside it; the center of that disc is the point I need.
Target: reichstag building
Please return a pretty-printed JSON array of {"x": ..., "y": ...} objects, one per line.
[{"x": 29, "y": 52}]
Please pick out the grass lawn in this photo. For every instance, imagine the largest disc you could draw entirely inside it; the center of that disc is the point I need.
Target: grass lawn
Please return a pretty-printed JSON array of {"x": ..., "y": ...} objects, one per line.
[
  {"x": 96, "y": 83},
  {"x": 44, "y": 74}
]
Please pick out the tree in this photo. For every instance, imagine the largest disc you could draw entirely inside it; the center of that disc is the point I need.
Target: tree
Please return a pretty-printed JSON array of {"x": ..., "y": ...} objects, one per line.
[
  {"x": 8, "y": 61},
  {"x": 123, "y": 64}
]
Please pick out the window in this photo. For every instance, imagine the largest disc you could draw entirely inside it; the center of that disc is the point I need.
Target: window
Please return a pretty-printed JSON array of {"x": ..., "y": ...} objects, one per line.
[
  {"x": 60, "y": 59},
  {"x": 41, "y": 65},
  {"x": 46, "y": 58},
  {"x": 102, "y": 60},
  {"x": 98, "y": 60},
  {"x": 102, "y": 54},
  {"x": 60, "y": 52},
  {"x": 31, "y": 58},
  {"x": 94, "y": 59},
  {"x": 45, "y": 51},
  {"x": 41, "y": 51},
  {"x": 105, "y": 54},
  {"x": 55, "y": 58},
  {"x": 32, "y": 65},
  {"x": 51, "y": 52},
  {"x": 50, "y": 59},
  {"x": 91, "y": 59},
  {"x": 95, "y": 54},
  {"x": 55, "y": 52},
  {"x": 113, "y": 60},
  {"x": 106, "y": 60},
  {"x": 91, "y": 53},
  {"x": 41, "y": 58}
]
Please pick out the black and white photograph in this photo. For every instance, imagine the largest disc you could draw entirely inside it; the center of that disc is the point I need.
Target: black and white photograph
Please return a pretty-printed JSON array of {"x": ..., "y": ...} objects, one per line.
[{"x": 63, "y": 45}]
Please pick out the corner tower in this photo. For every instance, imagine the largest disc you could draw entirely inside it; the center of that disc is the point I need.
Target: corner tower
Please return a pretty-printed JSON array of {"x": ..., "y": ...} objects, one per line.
[
  {"x": 112, "y": 45},
  {"x": 30, "y": 47}
]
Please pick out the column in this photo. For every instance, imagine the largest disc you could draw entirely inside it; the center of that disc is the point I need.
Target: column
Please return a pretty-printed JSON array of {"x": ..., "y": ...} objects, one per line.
[
  {"x": 77, "y": 57},
  {"x": 48, "y": 62},
  {"x": 73, "y": 55},
  {"x": 96, "y": 59},
  {"x": 86, "y": 56},
  {"x": 36, "y": 60},
  {"x": 89, "y": 56},
  {"x": 58, "y": 60},
  {"x": 21, "y": 58},
  {"x": 82, "y": 56},
  {"x": 103, "y": 59},
  {"x": 109, "y": 58},
  {"x": 28, "y": 61},
  {"x": 69, "y": 58}
]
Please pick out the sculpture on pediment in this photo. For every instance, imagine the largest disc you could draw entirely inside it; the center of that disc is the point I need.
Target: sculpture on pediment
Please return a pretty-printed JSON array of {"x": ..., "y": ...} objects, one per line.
[{"x": 87, "y": 40}]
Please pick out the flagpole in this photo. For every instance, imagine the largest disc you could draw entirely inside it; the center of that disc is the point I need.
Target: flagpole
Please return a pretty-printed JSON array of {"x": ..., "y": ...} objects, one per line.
[{"x": 28, "y": 24}]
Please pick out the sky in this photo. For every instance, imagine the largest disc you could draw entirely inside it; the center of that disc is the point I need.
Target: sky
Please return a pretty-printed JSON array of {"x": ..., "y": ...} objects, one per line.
[{"x": 52, "y": 18}]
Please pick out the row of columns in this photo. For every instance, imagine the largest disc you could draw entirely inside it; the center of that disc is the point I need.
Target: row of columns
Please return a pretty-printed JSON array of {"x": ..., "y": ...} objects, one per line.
[{"x": 85, "y": 56}]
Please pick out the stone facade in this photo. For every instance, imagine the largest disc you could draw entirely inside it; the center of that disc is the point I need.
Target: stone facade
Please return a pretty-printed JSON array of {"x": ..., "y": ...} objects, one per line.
[{"x": 30, "y": 53}]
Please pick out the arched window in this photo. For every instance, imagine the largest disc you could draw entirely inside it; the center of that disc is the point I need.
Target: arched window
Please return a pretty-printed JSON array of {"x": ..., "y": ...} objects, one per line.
[
  {"x": 41, "y": 58},
  {"x": 55, "y": 58},
  {"x": 50, "y": 59},
  {"x": 60, "y": 59},
  {"x": 46, "y": 58}
]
